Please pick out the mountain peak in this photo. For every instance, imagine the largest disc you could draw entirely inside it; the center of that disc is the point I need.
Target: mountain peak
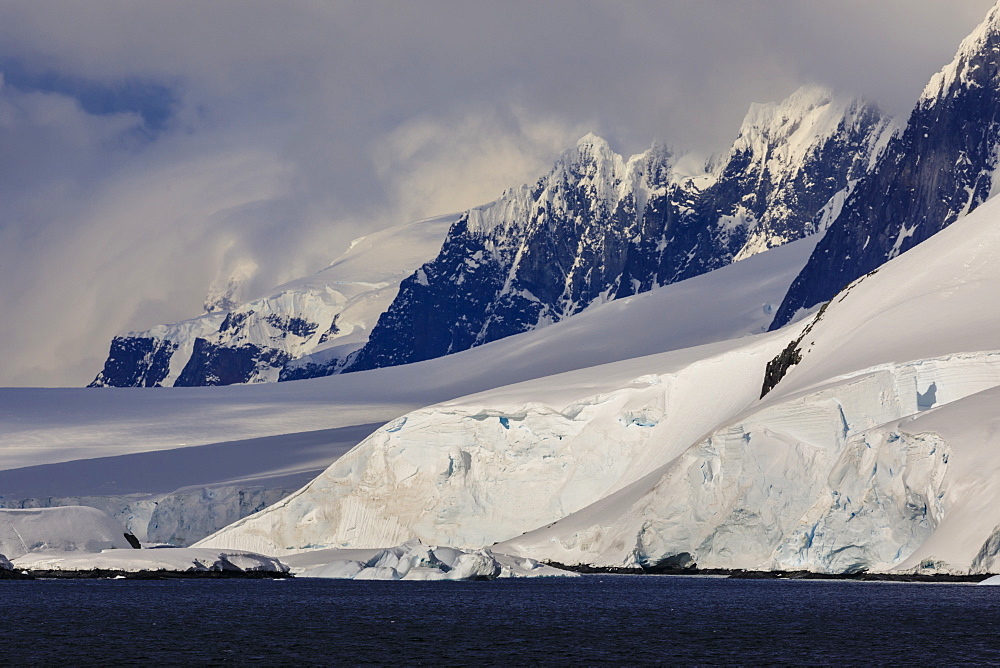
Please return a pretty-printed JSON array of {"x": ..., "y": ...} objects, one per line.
[
  {"x": 795, "y": 106},
  {"x": 783, "y": 133},
  {"x": 591, "y": 148},
  {"x": 591, "y": 139},
  {"x": 961, "y": 68}
]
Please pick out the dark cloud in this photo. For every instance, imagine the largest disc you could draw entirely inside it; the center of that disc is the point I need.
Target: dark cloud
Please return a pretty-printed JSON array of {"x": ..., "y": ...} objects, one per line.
[{"x": 149, "y": 149}]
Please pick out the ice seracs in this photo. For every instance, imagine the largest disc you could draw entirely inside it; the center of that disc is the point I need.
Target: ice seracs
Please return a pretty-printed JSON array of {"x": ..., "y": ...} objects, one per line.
[
  {"x": 413, "y": 560},
  {"x": 487, "y": 467},
  {"x": 171, "y": 560}
]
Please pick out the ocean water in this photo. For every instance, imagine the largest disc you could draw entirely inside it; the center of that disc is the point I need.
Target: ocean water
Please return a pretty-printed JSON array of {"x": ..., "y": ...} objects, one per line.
[{"x": 595, "y": 619}]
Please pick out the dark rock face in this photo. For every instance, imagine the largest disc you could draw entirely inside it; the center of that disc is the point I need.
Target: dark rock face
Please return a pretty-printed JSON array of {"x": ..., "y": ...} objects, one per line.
[
  {"x": 939, "y": 168},
  {"x": 136, "y": 362},
  {"x": 223, "y": 358},
  {"x": 214, "y": 364},
  {"x": 599, "y": 228},
  {"x": 779, "y": 366}
]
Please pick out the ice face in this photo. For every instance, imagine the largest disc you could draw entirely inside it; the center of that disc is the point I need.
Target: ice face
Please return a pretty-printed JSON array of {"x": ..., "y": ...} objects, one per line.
[{"x": 66, "y": 529}]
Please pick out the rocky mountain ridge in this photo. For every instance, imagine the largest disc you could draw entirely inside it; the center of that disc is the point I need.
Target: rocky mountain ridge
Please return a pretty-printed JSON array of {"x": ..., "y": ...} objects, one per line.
[
  {"x": 936, "y": 169},
  {"x": 599, "y": 227}
]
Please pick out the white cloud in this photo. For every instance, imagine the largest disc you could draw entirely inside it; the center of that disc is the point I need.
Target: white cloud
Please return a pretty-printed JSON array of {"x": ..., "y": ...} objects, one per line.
[
  {"x": 300, "y": 125},
  {"x": 435, "y": 165}
]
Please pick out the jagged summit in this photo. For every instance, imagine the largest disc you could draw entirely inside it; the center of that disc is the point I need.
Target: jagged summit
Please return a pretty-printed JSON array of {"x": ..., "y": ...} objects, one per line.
[
  {"x": 765, "y": 122},
  {"x": 936, "y": 169},
  {"x": 781, "y": 144},
  {"x": 777, "y": 134},
  {"x": 599, "y": 227},
  {"x": 965, "y": 69},
  {"x": 604, "y": 177}
]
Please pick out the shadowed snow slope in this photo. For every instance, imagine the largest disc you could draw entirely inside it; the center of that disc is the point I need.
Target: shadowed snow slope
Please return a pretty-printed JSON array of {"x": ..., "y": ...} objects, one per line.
[
  {"x": 42, "y": 425},
  {"x": 67, "y": 529},
  {"x": 674, "y": 460}
]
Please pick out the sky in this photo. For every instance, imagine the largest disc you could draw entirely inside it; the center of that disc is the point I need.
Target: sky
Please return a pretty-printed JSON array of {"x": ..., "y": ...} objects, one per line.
[{"x": 149, "y": 151}]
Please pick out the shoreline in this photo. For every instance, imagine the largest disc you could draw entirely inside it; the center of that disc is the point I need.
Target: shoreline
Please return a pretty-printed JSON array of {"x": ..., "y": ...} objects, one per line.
[
  {"x": 740, "y": 574},
  {"x": 110, "y": 574},
  {"x": 586, "y": 569}
]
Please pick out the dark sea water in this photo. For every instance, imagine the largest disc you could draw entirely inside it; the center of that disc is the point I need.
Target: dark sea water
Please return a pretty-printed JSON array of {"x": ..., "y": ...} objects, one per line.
[{"x": 589, "y": 620}]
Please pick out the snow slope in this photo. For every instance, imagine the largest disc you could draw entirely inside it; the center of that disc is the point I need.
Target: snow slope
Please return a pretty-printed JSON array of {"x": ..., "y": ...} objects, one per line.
[
  {"x": 879, "y": 437},
  {"x": 277, "y": 436}
]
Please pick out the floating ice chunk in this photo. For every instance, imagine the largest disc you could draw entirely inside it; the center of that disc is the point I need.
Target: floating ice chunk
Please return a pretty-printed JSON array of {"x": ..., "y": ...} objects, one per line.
[
  {"x": 414, "y": 560},
  {"x": 182, "y": 560}
]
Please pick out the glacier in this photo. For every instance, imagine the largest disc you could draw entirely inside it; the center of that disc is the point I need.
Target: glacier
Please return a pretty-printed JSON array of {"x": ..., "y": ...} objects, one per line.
[{"x": 674, "y": 459}]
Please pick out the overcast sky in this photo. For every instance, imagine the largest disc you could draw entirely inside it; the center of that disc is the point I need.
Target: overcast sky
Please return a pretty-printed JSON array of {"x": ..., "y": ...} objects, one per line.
[{"x": 148, "y": 149}]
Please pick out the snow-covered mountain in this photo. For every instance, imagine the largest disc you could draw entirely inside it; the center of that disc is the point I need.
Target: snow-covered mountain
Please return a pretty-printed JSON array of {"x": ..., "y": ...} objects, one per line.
[
  {"x": 316, "y": 320},
  {"x": 936, "y": 169},
  {"x": 879, "y": 436},
  {"x": 599, "y": 227}
]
